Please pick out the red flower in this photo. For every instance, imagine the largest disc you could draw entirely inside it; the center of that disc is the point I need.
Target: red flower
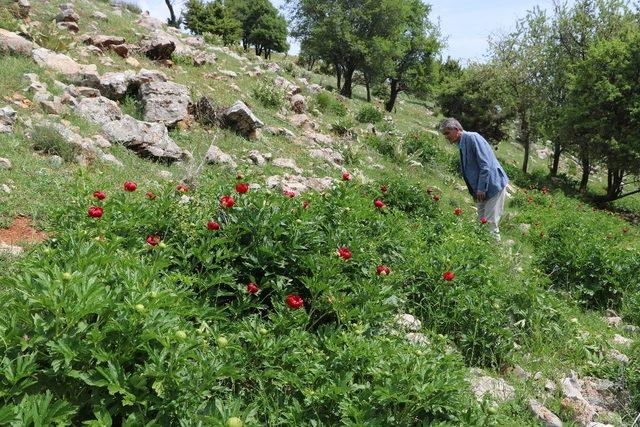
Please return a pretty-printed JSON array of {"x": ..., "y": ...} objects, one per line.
[
  {"x": 379, "y": 204},
  {"x": 213, "y": 226},
  {"x": 448, "y": 276},
  {"x": 150, "y": 195},
  {"x": 305, "y": 204},
  {"x": 95, "y": 211},
  {"x": 289, "y": 193},
  {"x": 436, "y": 197},
  {"x": 483, "y": 220},
  {"x": 227, "y": 201},
  {"x": 344, "y": 253},
  {"x": 252, "y": 288},
  {"x": 99, "y": 195},
  {"x": 383, "y": 188},
  {"x": 182, "y": 188},
  {"x": 294, "y": 301},
  {"x": 242, "y": 187},
  {"x": 457, "y": 212},
  {"x": 346, "y": 176},
  {"x": 153, "y": 239},
  {"x": 383, "y": 270},
  {"x": 625, "y": 229},
  {"x": 130, "y": 186},
  {"x": 429, "y": 190}
]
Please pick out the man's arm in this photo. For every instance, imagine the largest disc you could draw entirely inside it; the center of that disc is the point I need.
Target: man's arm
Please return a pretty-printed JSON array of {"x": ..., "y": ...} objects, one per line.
[{"x": 483, "y": 156}]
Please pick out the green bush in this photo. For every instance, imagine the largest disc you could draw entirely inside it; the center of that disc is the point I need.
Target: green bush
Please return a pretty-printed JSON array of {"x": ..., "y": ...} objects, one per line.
[
  {"x": 328, "y": 103},
  {"x": 48, "y": 35},
  {"x": 213, "y": 39},
  {"x": 343, "y": 126},
  {"x": 49, "y": 141},
  {"x": 423, "y": 145},
  {"x": 386, "y": 145},
  {"x": 8, "y": 21},
  {"x": 268, "y": 94},
  {"x": 369, "y": 114}
]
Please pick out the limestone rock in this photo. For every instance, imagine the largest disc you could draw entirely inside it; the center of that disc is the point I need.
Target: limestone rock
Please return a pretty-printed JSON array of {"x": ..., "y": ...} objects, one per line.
[
  {"x": 290, "y": 88},
  {"x": 407, "y": 321},
  {"x": 157, "y": 46},
  {"x": 417, "y": 338},
  {"x": 165, "y": 102},
  {"x": 620, "y": 340},
  {"x": 7, "y": 119},
  {"x": 10, "y": 249},
  {"x": 114, "y": 85},
  {"x": 497, "y": 388},
  {"x": 287, "y": 163},
  {"x": 298, "y": 104},
  {"x": 13, "y": 43},
  {"x": 543, "y": 414},
  {"x": 257, "y": 158},
  {"x": 69, "y": 26},
  {"x": 242, "y": 119},
  {"x": 99, "y": 16},
  {"x": 5, "y": 163},
  {"x": 216, "y": 156},
  {"x": 327, "y": 154},
  {"x": 299, "y": 184},
  {"x": 85, "y": 75},
  {"x": 99, "y": 110},
  {"x": 227, "y": 73}
]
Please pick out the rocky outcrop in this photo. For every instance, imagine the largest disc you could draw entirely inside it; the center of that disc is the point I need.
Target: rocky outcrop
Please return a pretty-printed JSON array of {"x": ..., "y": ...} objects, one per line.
[
  {"x": 157, "y": 46},
  {"x": 242, "y": 119},
  {"x": 497, "y": 389},
  {"x": 299, "y": 184},
  {"x": 165, "y": 102},
  {"x": 7, "y": 119},
  {"x": 80, "y": 74},
  {"x": 15, "y": 44}
]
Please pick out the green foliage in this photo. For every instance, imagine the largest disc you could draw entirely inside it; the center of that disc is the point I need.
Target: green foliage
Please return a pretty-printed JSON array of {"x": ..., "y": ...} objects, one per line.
[
  {"x": 132, "y": 106},
  {"x": 8, "y": 20},
  {"x": 423, "y": 145},
  {"x": 213, "y": 39},
  {"x": 213, "y": 17},
  {"x": 49, "y": 141},
  {"x": 329, "y": 103},
  {"x": 262, "y": 26},
  {"x": 268, "y": 94},
  {"x": 343, "y": 126},
  {"x": 48, "y": 35},
  {"x": 386, "y": 145},
  {"x": 369, "y": 114}
]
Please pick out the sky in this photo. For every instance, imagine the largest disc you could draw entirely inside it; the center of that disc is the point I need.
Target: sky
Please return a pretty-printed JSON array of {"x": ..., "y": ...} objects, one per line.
[{"x": 466, "y": 24}]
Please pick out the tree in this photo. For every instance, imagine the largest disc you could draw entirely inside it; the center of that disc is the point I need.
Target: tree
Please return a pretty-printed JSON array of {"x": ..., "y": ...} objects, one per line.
[
  {"x": 213, "y": 17},
  {"x": 269, "y": 34},
  {"x": 604, "y": 106},
  {"x": 248, "y": 12},
  {"x": 172, "y": 21},
  {"x": 417, "y": 43}
]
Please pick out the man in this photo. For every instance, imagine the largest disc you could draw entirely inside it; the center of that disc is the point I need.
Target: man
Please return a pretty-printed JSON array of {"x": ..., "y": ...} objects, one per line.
[{"x": 483, "y": 174}]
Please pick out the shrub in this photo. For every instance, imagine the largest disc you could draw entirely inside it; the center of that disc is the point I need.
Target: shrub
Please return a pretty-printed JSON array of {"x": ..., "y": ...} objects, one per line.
[
  {"x": 343, "y": 126},
  {"x": 213, "y": 39},
  {"x": 48, "y": 35},
  {"x": 268, "y": 94},
  {"x": 369, "y": 114},
  {"x": 132, "y": 106},
  {"x": 386, "y": 145},
  {"x": 49, "y": 141},
  {"x": 328, "y": 103},
  {"x": 8, "y": 21},
  {"x": 422, "y": 145}
]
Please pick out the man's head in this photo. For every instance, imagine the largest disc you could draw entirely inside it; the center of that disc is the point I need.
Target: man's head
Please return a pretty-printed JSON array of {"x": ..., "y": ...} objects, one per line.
[{"x": 451, "y": 129}]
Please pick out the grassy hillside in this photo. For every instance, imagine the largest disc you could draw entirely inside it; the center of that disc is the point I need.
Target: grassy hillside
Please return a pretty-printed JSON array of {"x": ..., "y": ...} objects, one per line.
[{"x": 144, "y": 313}]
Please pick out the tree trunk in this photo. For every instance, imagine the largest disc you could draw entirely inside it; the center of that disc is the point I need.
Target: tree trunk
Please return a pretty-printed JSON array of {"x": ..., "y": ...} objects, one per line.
[
  {"x": 338, "y": 76},
  {"x": 524, "y": 138},
  {"x": 367, "y": 85},
  {"x": 395, "y": 90},
  {"x": 614, "y": 183},
  {"x": 557, "y": 150},
  {"x": 245, "y": 44},
  {"x": 172, "y": 16},
  {"x": 348, "y": 81},
  {"x": 267, "y": 54},
  {"x": 257, "y": 51},
  {"x": 586, "y": 169}
]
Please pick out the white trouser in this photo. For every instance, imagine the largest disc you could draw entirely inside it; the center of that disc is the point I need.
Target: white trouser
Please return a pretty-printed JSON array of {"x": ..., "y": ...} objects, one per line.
[{"x": 492, "y": 210}]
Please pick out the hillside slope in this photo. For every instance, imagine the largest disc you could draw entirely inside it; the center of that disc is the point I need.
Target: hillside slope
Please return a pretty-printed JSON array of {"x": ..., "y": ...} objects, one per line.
[{"x": 215, "y": 254}]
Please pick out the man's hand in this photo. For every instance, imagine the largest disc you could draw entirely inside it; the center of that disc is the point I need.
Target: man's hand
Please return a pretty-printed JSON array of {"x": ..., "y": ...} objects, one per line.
[{"x": 480, "y": 196}]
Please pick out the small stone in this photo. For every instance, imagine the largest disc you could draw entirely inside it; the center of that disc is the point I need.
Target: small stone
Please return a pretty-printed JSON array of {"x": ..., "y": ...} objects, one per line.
[
  {"x": 10, "y": 249},
  {"x": 614, "y": 320},
  {"x": 417, "y": 338},
  {"x": 550, "y": 386},
  {"x": 620, "y": 357},
  {"x": 408, "y": 321},
  {"x": 620, "y": 340},
  {"x": 56, "y": 162},
  {"x": 545, "y": 415},
  {"x": 99, "y": 16},
  {"x": 132, "y": 62},
  {"x": 5, "y": 163},
  {"x": 6, "y": 188}
]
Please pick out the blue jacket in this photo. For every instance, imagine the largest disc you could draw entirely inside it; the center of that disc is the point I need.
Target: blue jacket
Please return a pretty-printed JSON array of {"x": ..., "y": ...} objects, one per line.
[{"x": 480, "y": 168}]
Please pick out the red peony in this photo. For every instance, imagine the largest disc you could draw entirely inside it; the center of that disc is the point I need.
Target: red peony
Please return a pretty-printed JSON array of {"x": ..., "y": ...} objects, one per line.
[
  {"x": 242, "y": 187},
  {"x": 448, "y": 276},
  {"x": 289, "y": 193},
  {"x": 344, "y": 253},
  {"x": 227, "y": 201},
  {"x": 153, "y": 239},
  {"x": 95, "y": 211},
  {"x": 457, "y": 212},
  {"x": 99, "y": 195},
  {"x": 150, "y": 195},
  {"x": 379, "y": 204},
  {"x": 294, "y": 301},
  {"x": 182, "y": 188},
  {"x": 213, "y": 226},
  {"x": 252, "y": 288},
  {"x": 305, "y": 204},
  {"x": 383, "y": 270},
  {"x": 346, "y": 176},
  {"x": 130, "y": 186},
  {"x": 436, "y": 197},
  {"x": 483, "y": 220}
]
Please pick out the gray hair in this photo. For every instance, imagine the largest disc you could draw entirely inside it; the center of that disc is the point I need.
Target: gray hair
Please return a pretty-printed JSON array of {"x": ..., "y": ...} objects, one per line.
[{"x": 449, "y": 123}]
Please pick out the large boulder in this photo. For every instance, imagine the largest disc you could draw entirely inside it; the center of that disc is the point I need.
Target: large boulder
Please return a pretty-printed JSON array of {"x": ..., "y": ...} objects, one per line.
[
  {"x": 80, "y": 74},
  {"x": 165, "y": 102},
  {"x": 157, "y": 46},
  {"x": 114, "y": 85},
  {"x": 146, "y": 139},
  {"x": 242, "y": 119},
  {"x": 7, "y": 119},
  {"x": 13, "y": 43},
  {"x": 99, "y": 110}
]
